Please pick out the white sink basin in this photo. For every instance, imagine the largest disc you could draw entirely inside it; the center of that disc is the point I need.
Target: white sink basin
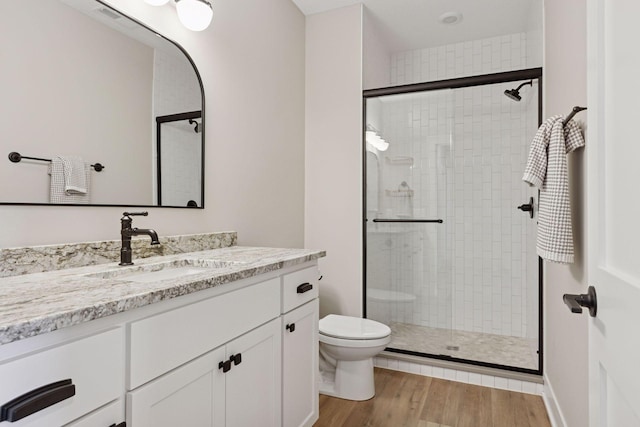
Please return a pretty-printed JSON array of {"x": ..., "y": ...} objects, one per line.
[{"x": 150, "y": 273}]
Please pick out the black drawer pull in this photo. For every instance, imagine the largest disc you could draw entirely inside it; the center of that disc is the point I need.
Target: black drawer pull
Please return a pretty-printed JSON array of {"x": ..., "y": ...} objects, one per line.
[
  {"x": 290, "y": 327},
  {"x": 37, "y": 400},
  {"x": 304, "y": 288},
  {"x": 225, "y": 366},
  {"x": 236, "y": 358},
  {"x": 123, "y": 424}
]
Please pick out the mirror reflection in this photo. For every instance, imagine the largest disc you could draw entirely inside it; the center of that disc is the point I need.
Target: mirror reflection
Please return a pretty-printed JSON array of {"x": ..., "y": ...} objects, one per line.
[{"x": 81, "y": 85}]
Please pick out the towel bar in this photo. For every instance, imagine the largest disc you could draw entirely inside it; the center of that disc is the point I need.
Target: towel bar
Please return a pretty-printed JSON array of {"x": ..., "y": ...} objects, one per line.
[{"x": 16, "y": 157}]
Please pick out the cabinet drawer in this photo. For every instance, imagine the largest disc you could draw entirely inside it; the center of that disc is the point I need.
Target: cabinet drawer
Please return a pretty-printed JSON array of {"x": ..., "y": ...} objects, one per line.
[
  {"x": 299, "y": 287},
  {"x": 110, "y": 415},
  {"x": 95, "y": 366},
  {"x": 163, "y": 342}
]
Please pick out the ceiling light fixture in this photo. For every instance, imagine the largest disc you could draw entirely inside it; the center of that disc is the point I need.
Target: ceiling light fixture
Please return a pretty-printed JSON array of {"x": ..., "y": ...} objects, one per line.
[
  {"x": 450, "y": 18},
  {"x": 157, "y": 2},
  {"x": 195, "y": 15}
]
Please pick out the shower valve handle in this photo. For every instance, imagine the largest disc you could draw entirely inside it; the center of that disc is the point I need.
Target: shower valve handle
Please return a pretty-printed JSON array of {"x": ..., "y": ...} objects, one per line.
[{"x": 527, "y": 207}]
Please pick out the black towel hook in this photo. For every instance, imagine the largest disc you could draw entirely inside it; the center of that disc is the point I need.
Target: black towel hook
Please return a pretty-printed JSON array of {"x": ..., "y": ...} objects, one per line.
[{"x": 575, "y": 111}]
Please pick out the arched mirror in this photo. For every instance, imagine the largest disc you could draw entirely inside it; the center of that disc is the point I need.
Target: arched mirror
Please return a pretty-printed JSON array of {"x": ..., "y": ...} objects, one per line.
[{"x": 83, "y": 85}]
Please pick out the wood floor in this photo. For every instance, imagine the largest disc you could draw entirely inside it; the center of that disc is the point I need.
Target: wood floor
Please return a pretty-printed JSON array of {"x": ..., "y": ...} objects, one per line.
[{"x": 404, "y": 399}]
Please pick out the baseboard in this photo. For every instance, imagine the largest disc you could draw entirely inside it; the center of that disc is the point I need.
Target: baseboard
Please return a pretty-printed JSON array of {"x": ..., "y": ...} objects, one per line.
[
  {"x": 550, "y": 402},
  {"x": 455, "y": 372}
]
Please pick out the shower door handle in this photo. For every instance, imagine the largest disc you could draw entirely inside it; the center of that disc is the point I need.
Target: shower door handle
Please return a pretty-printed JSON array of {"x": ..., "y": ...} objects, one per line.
[
  {"x": 439, "y": 221},
  {"x": 527, "y": 207}
]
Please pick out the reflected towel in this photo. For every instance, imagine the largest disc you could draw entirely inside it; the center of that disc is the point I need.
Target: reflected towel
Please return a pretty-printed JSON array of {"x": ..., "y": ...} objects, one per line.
[
  {"x": 547, "y": 170},
  {"x": 64, "y": 178},
  {"x": 74, "y": 175}
]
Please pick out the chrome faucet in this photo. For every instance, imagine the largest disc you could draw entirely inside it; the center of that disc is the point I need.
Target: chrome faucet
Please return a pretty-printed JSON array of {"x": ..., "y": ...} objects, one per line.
[{"x": 127, "y": 232}]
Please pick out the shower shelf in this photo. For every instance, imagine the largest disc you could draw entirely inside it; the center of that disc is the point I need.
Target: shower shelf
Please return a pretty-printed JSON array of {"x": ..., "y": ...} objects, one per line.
[
  {"x": 399, "y": 193},
  {"x": 399, "y": 160}
]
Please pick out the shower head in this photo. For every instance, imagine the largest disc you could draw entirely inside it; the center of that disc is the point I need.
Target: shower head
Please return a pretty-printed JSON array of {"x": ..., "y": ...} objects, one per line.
[
  {"x": 196, "y": 128},
  {"x": 515, "y": 93}
]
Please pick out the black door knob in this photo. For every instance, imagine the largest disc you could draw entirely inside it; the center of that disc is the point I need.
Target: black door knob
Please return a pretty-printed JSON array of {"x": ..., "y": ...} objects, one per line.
[
  {"x": 527, "y": 207},
  {"x": 588, "y": 300}
]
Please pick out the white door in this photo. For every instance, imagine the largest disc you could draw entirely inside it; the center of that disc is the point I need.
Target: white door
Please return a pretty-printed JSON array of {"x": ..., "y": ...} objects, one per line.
[{"x": 613, "y": 153}]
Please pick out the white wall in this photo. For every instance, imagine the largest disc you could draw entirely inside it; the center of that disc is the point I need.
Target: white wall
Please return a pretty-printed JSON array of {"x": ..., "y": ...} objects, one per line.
[
  {"x": 333, "y": 199},
  {"x": 253, "y": 73},
  {"x": 376, "y": 55},
  {"x": 566, "y": 339},
  {"x": 483, "y": 56}
]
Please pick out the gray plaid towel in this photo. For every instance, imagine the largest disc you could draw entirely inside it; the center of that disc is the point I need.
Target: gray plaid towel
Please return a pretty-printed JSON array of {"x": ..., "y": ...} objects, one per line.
[{"x": 547, "y": 170}]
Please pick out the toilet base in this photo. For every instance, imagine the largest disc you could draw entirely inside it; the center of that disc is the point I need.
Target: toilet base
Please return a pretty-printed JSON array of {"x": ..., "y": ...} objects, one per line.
[{"x": 353, "y": 380}]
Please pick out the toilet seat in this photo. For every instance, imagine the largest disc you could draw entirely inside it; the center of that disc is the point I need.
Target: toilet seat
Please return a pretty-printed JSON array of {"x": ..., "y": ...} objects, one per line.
[
  {"x": 343, "y": 342},
  {"x": 352, "y": 328}
]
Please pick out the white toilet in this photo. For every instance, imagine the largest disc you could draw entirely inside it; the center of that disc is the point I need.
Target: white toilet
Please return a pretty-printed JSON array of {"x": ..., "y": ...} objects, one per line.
[{"x": 347, "y": 347}]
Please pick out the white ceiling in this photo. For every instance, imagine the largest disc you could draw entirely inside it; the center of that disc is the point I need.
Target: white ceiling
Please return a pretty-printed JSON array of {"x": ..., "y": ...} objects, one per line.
[{"x": 412, "y": 24}]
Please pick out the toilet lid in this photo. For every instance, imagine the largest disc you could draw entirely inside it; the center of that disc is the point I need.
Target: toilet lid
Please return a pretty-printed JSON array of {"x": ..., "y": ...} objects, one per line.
[{"x": 353, "y": 328}]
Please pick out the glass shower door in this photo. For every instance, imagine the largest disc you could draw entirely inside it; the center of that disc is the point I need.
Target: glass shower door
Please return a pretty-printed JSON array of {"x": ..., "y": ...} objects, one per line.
[
  {"x": 409, "y": 177},
  {"x": 450, "y": 259}
]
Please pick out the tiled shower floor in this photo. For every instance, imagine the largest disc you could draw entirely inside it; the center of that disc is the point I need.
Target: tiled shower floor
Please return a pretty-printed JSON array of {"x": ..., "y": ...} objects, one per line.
[{"x": 477, "y": 346}]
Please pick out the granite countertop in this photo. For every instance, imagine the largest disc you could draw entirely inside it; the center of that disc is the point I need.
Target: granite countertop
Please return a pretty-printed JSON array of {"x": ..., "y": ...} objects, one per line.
[{"x": 38, "y": 303}]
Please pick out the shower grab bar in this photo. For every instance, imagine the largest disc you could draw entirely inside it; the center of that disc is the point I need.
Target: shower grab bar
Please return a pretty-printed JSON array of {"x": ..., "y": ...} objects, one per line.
[
  {"x": 573, "y": 112},
  {"x": 16, "y": 157},
  {"x": 439, "y": 221}
]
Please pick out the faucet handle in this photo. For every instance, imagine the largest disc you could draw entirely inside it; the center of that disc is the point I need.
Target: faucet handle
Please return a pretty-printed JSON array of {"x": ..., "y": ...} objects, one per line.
[{"x": 145, "y": 213}]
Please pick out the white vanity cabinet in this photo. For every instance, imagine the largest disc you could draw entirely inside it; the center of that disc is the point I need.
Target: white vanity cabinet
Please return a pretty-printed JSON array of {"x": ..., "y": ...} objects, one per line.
[
  {"x": 236, "y": 385},
  {"x": 300, "y": 348},
  {"x": 242, "y": 354}
]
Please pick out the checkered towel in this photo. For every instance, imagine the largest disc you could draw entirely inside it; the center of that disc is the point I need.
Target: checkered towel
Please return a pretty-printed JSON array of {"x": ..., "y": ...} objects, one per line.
[
  {"x": 547, "y": 169},
  {"x": 58, "y": 192}
]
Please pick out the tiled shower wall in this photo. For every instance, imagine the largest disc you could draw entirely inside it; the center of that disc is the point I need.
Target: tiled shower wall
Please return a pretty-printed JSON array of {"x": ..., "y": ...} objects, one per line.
[
  {"x": 492, "y": 55},
  {"x": 177, "y": 90},
  {"x": 461, "y": 154}
]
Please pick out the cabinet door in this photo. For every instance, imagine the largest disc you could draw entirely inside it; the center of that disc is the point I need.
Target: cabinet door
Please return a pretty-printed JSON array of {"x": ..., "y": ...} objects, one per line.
[
  {"x": 300, "y": 366},
  {"x": 253, "y": 386},
  {"x": 192, "y": 395}
]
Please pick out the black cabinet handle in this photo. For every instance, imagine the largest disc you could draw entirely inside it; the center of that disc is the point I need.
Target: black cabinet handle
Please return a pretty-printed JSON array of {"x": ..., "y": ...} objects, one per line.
[
  {"x": 236, "y": 358},
  {"x": 123, "y": 424},
  {"x": 290, "y": 327},
  {"x": 37, "y": 400},
  {"x": 225, "y": 366},
  {"x": 305, "y": 287},
  {"x": 588, "y": 300}
]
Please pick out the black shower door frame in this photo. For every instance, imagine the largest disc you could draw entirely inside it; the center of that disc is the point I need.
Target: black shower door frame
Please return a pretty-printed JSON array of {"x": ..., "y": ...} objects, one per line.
[{"x": 456, "y": 83}]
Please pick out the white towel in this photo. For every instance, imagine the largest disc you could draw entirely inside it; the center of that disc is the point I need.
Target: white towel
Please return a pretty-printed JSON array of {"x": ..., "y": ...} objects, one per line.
[
  {"x": 547, "y": 170},
  {"x": 65, "y": 186}
]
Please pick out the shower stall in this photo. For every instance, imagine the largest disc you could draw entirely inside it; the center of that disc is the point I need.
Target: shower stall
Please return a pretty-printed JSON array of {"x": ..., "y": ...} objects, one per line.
[{"x": 449, "y": 225}]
